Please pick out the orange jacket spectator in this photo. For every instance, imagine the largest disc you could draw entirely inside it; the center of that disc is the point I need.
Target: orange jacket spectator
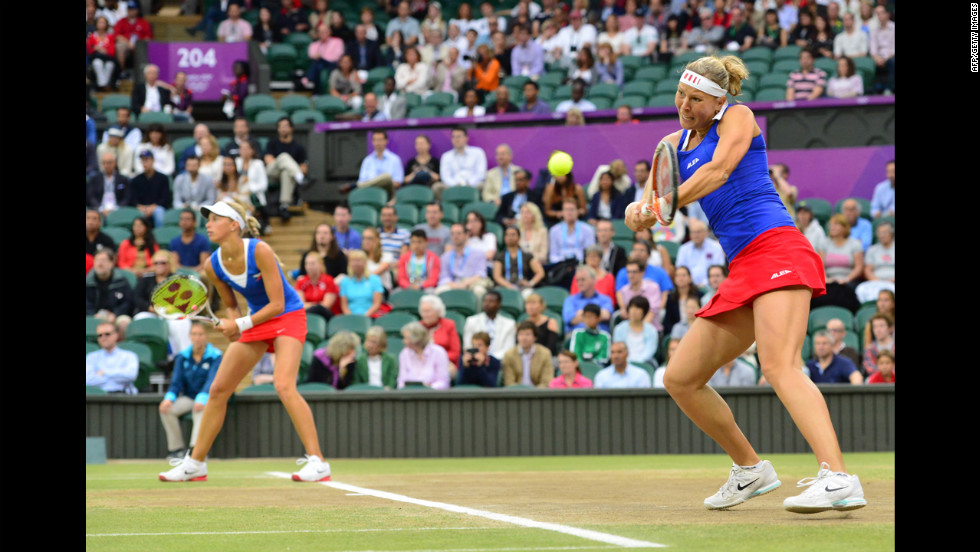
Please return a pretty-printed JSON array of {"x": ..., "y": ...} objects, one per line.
[
  {"x": 487, "y": 76},
  {"x": 128, "y": 252}
]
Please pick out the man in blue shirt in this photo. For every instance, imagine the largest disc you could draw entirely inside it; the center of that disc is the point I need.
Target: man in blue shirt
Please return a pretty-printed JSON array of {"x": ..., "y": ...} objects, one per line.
[
  {"x": 572, "y": 311},
  {"x": 883, "y": 200},
  {"x": 700, "y": 252},
  {"x": 111, "y": 368},
  {"x": 382, "y": 169},
  {"x": 620, "y": 374},
  {"x": 860, "y": 227},
  {"x": 191, "y": 247},
  {"x": 194, "y": 370},
  {"x": 828, "y": 367},
  {"x": 532, "y": 104},
  {"x": 570, "y": 237},
  {"x": 347, "y": 238},
  {"x": 641, "y": 252}
]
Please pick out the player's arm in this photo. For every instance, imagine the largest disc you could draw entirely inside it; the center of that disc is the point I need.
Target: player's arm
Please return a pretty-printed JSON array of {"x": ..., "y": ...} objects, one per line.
[
  {"x": 735, "y": 133},
  {"x": 227, "y": 325}
]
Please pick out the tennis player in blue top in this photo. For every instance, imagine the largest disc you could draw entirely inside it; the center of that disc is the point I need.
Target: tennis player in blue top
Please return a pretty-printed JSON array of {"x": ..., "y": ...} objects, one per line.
[
  {"x": 774, "y": 272},
  {"x": 276, "y": 323}
]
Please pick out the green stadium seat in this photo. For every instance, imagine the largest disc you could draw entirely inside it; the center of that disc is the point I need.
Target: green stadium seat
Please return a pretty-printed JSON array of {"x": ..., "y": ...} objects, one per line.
[
  {"x": 511, "y": 302},
  {"x": 485, "y": 208},
  {"x": 552, "y": 80},
  {"x": 820, "y": 315},
  {"x": 790, "y": 51},
  {"x": 665, "y": 87},
  {"x": 498, "y": 232},
  {"x": 425, "y": 112},
  {"x": 315, "y": 386},
  {"x": 821, "y": 208},
  {"x": 282, "y": 61},
  {"x": 259, "y": 389},
  {"x": 357, "y": 323},
  {"x": 117, "y": 233},
  {"x": 439, "y": 99},
  {"x": 91, "y": 325},
  {"x": 364, "y": 214},
  {"x": 316, "y": 328},
  {"x": 770, "y": 95},
  {"x": 291, "y": 103},
  {"x": 305, "y": 360},
  {"x": 776, "y": 79},
  {"x": 155, "y": 117},
  {"x": 146, "y": 362},
  {"x": 419, "y": 196},
  {"x": 459, "y": 320},
  {"x": 153, "y": 332},
  {"x": 785, "y": 66},
  {"x": 550, "y": 314},
  {"x": 394, "y": 321},
  {"x": 651, "y": 73},
  {"x": 450, "y": 212},
  {"x": 638, "y": 88},
  {"x": 553, "y": 296},
  {"x": 449, "y": 110},
  {"x": 462, "y": 301},
  {"x": 460, "y": 195},
  {"x": 408, "y": 215},
  {"x": 301, "y": 116},
  {"x": 94, "y": 390},
  {"x": 862, "y": 317},
  {"x": 377, "y": 75},
  {"x": 635, "y": 101},
  {"x": 828, "y": 65},
  {"x": 165, "y": 234},
  {"x": 412, "y": 99},
  {"x": 807, "y": 351},
  {"x": 601, "y": 103},
  {"x": 589, "y": 369},
  {"x": 371, "y": 197},
  {"x": 330, "y": 106},
  {"x": 171, "y": 217},
  {"x": 672, "y": 249},
  {"x": 406, "y": 300},
  {"x": 395, "y": 345},
  {"x": 757, "y": 53},
  {"x": 603, "y": 90},
  {"x": 662, "y": 100},
  {"x": 270, "y": 116},
  {"x": 562, "y": 93},
  {"x": 301, "y": 44},
  {"x": 123, "y": 217},
  {"x": 678, "y": 62},
  {"x": 180, "y": 144},
  {"x": 255, "y": 103},
  {"x": 363, "y": 387},
  {"x": 111, "y": 102}
]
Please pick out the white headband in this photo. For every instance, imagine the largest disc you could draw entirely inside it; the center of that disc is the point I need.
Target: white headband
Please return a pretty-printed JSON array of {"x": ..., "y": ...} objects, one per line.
[
  {"x": 223, "y": 209},
  {"x": 702, "y": 83}
]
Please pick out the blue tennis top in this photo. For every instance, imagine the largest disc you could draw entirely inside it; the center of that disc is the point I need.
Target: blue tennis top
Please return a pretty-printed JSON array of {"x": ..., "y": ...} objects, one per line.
[
  {"x": 747, "y": 204},
  {"x": 254, "y": 288}
]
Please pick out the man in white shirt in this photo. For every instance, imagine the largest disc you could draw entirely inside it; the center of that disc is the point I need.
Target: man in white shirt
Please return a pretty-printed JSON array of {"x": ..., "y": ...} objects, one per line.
[
  {"x": 578, "y": 99},
  {"x": 620, "y": 374},
  {"x": 700, "y": 253},
  {"x": 575, "y": 36},
  {"x": 464, "y": 165},
  {"x": 502, "y": 330},
  {"x": 852, "y": 42},
  {"x": 640, "y": 41},
  {"x": 150, "y": 96}
]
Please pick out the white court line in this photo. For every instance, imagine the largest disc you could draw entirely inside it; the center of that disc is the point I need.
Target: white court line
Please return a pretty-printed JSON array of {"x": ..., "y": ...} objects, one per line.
[
  {"x": 523, "y": 522},
  {"x": 289, "y": 531}
]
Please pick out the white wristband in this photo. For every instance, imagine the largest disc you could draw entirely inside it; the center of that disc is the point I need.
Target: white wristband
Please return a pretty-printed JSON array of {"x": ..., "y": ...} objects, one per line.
[{"x": 244, "y": 323}]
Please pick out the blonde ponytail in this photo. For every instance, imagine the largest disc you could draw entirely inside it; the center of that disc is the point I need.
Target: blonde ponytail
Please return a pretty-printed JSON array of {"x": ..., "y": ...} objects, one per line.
[{"x": 727, "y": 72}]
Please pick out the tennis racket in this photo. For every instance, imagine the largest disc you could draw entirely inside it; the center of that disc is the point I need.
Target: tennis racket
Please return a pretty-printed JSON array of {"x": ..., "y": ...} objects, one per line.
[
  {"x": 667, "y": 178},
  {"x": 183, "y": 296}
]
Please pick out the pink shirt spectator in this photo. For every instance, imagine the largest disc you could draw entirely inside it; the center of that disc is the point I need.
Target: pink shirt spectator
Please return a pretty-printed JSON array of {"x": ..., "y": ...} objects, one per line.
[
  {"x": 235, "y": 31},
  {"x": 331, "y": 50},
  {"x": 648, "y": 289},
  {"x": 432, "y": 369},
  {"x": 580, "y": 382}
]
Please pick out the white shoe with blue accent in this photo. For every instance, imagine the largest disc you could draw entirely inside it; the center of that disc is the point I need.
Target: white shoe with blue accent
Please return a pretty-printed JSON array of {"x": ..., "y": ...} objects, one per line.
[
  {"x": 827, "y": 491},
  {"x": 742, "y": 485}
]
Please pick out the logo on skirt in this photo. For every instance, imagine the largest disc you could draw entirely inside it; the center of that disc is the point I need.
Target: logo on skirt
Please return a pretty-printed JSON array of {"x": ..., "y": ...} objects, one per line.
[{"x": 780, "y": 273}]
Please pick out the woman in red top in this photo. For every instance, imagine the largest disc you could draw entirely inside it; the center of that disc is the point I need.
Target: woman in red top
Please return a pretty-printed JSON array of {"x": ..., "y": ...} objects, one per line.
[
  {"x": 136, "y": 251},
  {"x": 432, "y": 312},
  {"x": 316, "y": 288},
  {"x": 101, "y": 48},
  {"x": 571, "y": 375},
  {"x": 886, "y": 368}
]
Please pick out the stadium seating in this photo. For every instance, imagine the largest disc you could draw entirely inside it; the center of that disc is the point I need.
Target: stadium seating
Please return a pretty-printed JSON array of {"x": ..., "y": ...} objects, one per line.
[
  {"x": 821, "y": 208},
  {"x": 394, "y": 321},
  {"x": 406, "y": 300},
  {"x": 329, "y": 105},
  {"x": 414, "y": 195},
  {"x": 462, "y": 301},
  {"x": 371, "y": 197},
  {"x": 407, "y": 215},
  {"x": 460, "y": 195},
  {"x": 553, "y": 296},
  {"x": 357, "y": 323},
  {"x": 485, "y": 208},
  {"x": 123, "y": 217},
  {"x": 820, "y": 315},
  {"x": 154, "y": 333},
  {"x": 316, "y": 328},
  {"x": 301, "y": 116},
  {"x": 256, "y": 103},
  {"x": 295, "y": 102},
  {"x": 111, "y": 102},
  {"x": 270, "y": 116},
  {"x": 589, "y": 369},
  {"x": 165, "y": 234}
]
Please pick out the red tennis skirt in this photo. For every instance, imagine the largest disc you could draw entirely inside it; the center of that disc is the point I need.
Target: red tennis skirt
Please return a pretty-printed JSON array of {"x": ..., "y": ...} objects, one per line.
[
  {"x": 292, "y": 324},
  {"x": 777, "y": 258}
]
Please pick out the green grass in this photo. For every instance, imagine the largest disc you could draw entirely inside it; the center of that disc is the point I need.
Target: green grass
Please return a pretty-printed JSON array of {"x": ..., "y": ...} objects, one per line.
[{"x": 268, "y": 513}]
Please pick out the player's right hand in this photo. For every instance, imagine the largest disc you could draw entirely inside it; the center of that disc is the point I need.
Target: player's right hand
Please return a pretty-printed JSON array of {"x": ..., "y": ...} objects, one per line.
[{"x": 229, "y": 328}]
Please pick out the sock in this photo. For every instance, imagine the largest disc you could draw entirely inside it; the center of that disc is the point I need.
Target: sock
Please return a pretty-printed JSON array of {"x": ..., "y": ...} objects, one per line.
[
  {"x": 299, "y": 178},
  {"x": 754, "y": 467},
  {"x": 191, "y": 463}
]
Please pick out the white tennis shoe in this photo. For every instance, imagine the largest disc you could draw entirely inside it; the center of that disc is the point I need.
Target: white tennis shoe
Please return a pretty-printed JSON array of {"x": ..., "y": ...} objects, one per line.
[
  {"x": 827, "y": 491},
  {"x": 186, "y": 469},
  {"x": 314, "y": 470},
  {"x": 742, "y": 485}
]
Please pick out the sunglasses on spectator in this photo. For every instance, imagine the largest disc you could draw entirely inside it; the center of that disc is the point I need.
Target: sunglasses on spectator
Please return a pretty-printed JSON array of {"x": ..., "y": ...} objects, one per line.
[{"x": 105, "y": 334}]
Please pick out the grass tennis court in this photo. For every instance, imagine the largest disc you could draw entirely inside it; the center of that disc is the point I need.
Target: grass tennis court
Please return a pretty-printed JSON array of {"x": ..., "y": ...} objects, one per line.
[{"x": 477, "y": 504}]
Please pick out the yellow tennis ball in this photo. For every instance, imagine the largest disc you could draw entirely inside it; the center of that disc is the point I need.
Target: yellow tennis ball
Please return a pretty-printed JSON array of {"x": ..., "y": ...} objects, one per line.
[{"x": 560, "y": 163}]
